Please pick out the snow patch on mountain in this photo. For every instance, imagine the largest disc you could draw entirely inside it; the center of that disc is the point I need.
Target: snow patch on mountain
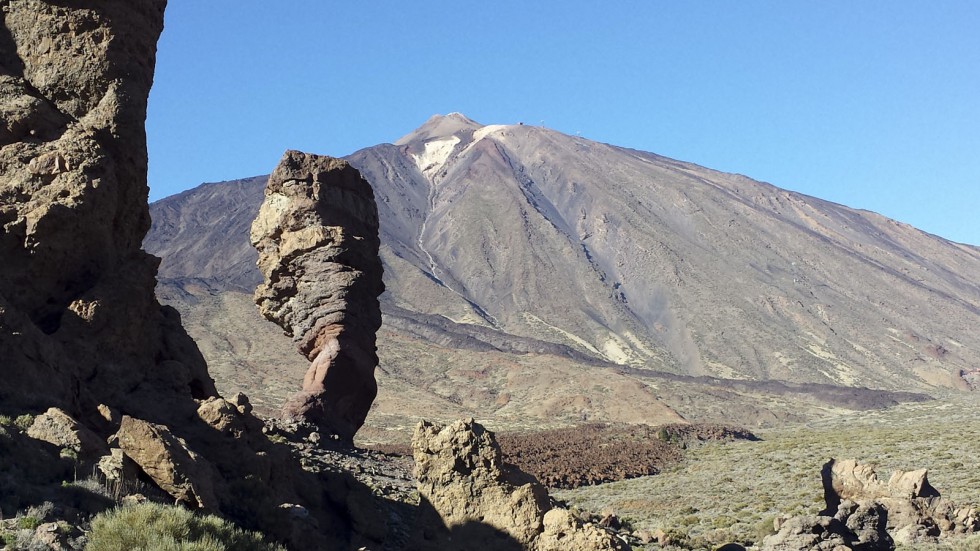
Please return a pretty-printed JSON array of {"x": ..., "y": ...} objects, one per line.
[
  {"x": 482, "y": 132},
  {"x": 434, "y": 156}
]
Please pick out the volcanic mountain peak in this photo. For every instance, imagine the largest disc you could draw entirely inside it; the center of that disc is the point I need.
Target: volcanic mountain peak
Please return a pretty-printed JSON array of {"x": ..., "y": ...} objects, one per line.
[
  {"x": 528, "y": 237},
  {"x": 440, "y": 127}
]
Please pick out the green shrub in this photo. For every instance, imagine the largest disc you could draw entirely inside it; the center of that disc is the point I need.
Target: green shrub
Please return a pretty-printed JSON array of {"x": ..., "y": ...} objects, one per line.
[
  {"x": 28, "y": 523},
  {"x": 24, "y": 422},
  {"x": 155, "y": 527}
]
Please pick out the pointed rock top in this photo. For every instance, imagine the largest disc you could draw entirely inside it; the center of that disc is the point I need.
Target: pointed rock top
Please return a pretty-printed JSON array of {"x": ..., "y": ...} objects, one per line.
[{"x": 440, "y": 127}]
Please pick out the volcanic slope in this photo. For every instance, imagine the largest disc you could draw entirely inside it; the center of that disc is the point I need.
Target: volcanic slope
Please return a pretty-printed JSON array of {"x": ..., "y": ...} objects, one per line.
[{"x": 556, "y": 250}]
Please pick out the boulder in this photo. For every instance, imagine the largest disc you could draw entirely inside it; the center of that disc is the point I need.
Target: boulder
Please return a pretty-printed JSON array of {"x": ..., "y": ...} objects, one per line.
[
  {"x": 118, "y": 469},
  {"x": 563, "y": 531},
  {"x": 915, "y": 510},
  {"x": 168, "y": 461},
  {"x": 810, "y": 533},
  {"x": 864, "y": 513},
  {"x": 57, "y": 427},
  {"x": 467, "y": 495},
  {"x": 317, "y": 238},
  {"x": 222, "y": 415}
]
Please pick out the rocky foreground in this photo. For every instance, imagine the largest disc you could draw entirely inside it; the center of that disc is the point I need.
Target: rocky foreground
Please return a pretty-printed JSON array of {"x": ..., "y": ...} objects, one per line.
[{"x": 98, "y": 377}]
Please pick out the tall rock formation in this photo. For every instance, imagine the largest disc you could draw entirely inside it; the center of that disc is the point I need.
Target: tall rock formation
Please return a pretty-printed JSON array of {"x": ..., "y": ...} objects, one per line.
[
  {"x": 76, "y": 290},
  {"x": 468, "y": 495},
  {"x": 80, "y": 328},
  {"x": 317, "y": 237}
]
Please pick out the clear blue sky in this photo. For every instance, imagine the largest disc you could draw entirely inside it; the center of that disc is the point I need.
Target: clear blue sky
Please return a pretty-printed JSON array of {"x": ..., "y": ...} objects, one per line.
[{"x": 873, "y": 104}]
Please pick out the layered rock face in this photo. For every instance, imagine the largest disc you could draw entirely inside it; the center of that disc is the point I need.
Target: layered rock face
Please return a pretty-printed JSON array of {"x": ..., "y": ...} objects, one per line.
[
  {"x": 467, "y": 495},
  {"x": 317, "y": 237},
  {"x": 866, "y": 513},
  {"x": 82, "y": 336},
  {"x": 76, "y": 290}
]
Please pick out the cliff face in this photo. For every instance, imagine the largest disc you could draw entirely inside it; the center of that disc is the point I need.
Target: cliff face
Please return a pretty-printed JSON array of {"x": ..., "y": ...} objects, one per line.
[
  {"x": 76, "y": 290},
  {"x": 80, "y": 327}
]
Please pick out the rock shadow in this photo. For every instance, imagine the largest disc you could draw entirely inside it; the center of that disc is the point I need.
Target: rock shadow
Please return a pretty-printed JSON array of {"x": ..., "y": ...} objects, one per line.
[{"x": 470, "y": 536}]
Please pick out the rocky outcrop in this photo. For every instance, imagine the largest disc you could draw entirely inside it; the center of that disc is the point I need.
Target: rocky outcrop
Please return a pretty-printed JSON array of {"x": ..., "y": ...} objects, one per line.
[
  {"x": 868, "y": 514},
  {"x": 467, "y": 493},
  {"x": 167, "y": 460},
  {"x": 76, "y": 290},
  {"x": 57, "y": 427},
  {"x": 916, "y": 511},
  {"x": 317, "y": 237},
  {"x": 80, "y": 328},
  {"x": 851, "y": 527}
]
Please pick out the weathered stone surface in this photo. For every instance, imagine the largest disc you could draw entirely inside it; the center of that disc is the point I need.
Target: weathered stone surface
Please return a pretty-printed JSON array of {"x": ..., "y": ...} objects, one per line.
[
  {"x": 916, "y": 511},
  {"x": 80, "y": 327},
  {"x": 117, "y": 467},
  {"x": 57, "y": 427},
  {"x": 166, "y": 459},
  {"x": 811, "y": 533},
  {"x": 222, "y": 415},
  {"x": 76, "y": 290},
  {"x": 864, "y": 513},
  {"x": 563, "y": 531},
  {"x": 317, "y": 237},
  {"x": 466, "y": 493}
]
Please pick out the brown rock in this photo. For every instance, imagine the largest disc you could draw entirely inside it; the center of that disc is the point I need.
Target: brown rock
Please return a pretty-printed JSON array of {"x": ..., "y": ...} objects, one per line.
[
  {"x": 79, "y": 323},
  {"x": 870, "y": 514},
  {"x": 317, "y": 237},
  {"x": 467, "y": 495},
  {"x": 166, "y": 459},
  {"x": 564, "y": 532},
  {"x": 221, "y": 415},
  {"x": 57, "y": 427},
  {"x": 117, "y": 468},
  {"x": 915, "y": 510},
  {"x": 76, "y": 290}
]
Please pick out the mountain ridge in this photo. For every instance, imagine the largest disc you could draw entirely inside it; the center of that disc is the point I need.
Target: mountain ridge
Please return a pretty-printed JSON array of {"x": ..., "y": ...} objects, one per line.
[{"x": 526, "y": 239}]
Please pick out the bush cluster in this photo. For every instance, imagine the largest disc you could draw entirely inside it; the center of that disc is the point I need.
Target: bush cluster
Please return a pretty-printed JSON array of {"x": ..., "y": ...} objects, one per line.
[{"x": 155, "y": 527}]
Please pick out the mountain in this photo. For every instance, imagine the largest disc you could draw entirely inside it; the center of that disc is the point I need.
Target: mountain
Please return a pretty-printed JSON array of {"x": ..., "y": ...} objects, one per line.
[{"x": 512, "y": 250}]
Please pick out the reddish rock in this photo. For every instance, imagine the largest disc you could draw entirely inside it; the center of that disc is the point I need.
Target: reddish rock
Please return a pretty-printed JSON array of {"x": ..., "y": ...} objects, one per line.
[{"x": 317, "y": 237}]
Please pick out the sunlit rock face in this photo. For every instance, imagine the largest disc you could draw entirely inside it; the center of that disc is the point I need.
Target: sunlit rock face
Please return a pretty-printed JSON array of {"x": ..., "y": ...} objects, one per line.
[
  {"x": 79, "y": 323},
  {"x": 317, "y": 237}
]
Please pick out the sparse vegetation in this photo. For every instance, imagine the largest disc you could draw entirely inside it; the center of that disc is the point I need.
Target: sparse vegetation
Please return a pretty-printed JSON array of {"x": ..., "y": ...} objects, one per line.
[
  {"x": 155, "y": 527},
  {"x": 732, "y": 491},
  {"x": 28, "y": 522},
  {"x": 24, "y": 422}
]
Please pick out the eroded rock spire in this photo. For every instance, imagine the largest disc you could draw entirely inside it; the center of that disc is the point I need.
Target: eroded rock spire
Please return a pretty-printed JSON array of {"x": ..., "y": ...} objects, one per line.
[{"x": 317, "y": 237}]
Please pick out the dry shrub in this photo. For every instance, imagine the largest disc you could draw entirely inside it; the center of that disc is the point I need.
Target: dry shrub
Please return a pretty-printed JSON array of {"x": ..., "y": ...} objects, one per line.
[{"x": 155, "y": 527}]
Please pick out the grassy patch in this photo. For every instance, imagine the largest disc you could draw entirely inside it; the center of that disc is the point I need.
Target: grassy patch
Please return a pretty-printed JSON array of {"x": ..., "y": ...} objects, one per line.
[{"x": 733, "y": 490}]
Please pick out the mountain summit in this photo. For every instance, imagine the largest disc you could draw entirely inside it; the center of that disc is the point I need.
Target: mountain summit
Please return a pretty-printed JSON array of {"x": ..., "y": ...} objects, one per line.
[
  {"x": 441, "y": 127},
  {"x": 515, "y": 239},
  {"x": 641, "y": 260}
]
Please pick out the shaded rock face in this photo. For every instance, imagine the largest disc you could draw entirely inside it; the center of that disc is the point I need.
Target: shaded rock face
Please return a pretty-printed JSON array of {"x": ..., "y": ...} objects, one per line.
[
  {"x": 317, "y": 237},
  {"x": 868, "y": 514},
  {"x": 76, "y": 290},
  {"x": 57, "y": 427},
  {"x": 467, "y": 493},
  {"x": 80, "y": 328}
]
